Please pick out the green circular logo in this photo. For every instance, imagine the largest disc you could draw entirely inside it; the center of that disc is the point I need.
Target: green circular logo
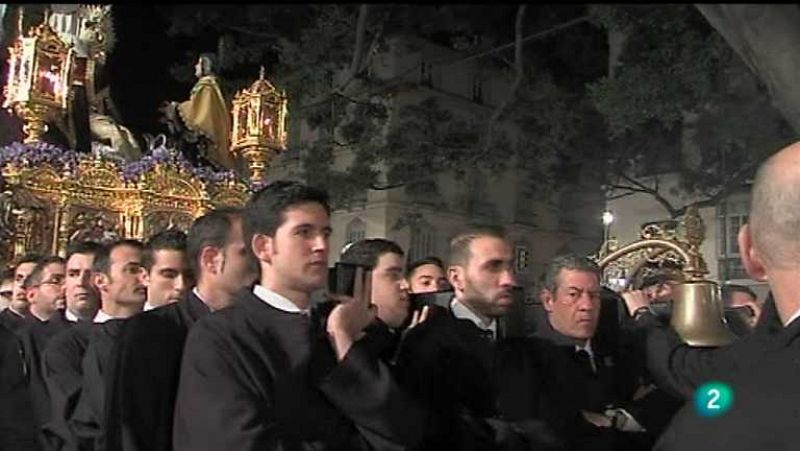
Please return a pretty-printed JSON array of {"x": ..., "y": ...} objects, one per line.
[{"x": 713, "y": 399}]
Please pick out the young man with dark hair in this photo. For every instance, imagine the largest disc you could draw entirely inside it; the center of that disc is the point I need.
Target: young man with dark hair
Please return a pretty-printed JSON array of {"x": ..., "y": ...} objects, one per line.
[
  {"x": 427, "y": 276},
  {"x": 389, "y": 288},
  {"x": 17, "y": 310},
  {"x": 119, "y": 278},
  {"x": 145, "y": 368},
  {"x": 484, "y": 390},
  {"x": 64, "y": 353},
  {"x": 269, "y": 372},
  {"x": 166, "y": 272}
]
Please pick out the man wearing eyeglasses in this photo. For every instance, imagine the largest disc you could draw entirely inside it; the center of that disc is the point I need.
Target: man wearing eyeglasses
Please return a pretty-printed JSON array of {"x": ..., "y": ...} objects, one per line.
[
  {"x": 44, "y": 291},
  {"x": 44, "y": 288}
]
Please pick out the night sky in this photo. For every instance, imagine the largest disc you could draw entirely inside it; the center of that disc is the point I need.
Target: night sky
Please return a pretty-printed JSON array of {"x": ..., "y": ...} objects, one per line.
[{"x": 139, "y": 66}]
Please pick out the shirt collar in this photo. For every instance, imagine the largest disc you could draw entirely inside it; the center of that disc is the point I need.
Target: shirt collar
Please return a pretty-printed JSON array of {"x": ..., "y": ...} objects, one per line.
[
  {"x": 102, "y": 317},
  {"x": 587, "y": 348},
  {"x": 71, "y": 317},
  {"x": 148, "y": 306},
  {"x": 793, "y": 317},
  {"x": 461, "y": 311},
  {"x": 276, "y": 300}
]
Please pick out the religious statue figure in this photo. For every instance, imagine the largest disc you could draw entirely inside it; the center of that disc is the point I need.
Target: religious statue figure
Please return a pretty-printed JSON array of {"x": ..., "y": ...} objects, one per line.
[
  {"x": 204, "y": 119},
  {"x": 91, "y": 113}
]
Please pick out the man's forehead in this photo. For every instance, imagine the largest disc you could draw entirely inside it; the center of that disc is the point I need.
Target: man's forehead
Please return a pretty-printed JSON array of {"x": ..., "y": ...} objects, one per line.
[
  {"x": 168, "y": 256},
  {"x": 389, "y": 260},
  {"x": 490, "y": 248},
  {"x": 54, "y": 268},
  {"x": 428, "y": 270},
  {"x": 578, "y": 278},
  {"x": 126, "y": 254},
  {"x": 310, "y": 213},
  {"x": 25, "y": 268},
  {"x": 78, "y": 261}
]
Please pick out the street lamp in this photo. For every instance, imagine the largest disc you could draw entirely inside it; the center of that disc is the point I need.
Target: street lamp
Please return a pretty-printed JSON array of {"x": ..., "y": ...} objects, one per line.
[{"x": 608, "y": 218}]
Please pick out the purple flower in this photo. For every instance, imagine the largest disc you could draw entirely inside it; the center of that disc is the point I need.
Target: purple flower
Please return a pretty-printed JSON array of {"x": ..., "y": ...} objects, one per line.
[{"x": 28, "y": 155}]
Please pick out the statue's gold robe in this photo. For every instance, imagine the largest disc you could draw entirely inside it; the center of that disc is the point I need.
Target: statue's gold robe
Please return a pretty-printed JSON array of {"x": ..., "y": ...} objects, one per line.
[{"x": 206, "y": 113}]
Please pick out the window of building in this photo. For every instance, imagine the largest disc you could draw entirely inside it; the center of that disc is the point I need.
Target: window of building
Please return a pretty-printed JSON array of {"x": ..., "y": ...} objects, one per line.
[
  {"x": 521, "y": 258},
  {"x": 356, "y": 231},
  {"x": 423, "y": 242},
  {"x": 426, "y": 73},
  {"x": 477, "y": 90},
  {"x": 732, "y": 215}
]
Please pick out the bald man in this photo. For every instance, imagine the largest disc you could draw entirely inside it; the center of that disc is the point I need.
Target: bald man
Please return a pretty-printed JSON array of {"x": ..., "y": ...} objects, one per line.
[{"x": 764, "y": 378}]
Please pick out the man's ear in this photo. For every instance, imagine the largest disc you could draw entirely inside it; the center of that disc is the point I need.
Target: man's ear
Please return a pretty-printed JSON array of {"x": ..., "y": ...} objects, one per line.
[
  {"x": 262, "y": 246},
  {"x": 145, "y": 277},
  {"x": 751, "y": 259},
  {"x": 30, "y": 294},
  {"x": 209, "y": 258},
  {"x": 100, "y": 281},
  {"x": 455, "y": 275},
  {"x": 547, "y": 298}
]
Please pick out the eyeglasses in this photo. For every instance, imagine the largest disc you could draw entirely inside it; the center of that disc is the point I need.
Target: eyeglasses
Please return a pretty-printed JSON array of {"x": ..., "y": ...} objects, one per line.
[{"x": 57, "y": 282}]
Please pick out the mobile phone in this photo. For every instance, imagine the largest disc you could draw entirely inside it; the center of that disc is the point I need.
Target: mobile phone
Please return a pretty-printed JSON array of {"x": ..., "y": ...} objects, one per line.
[
  {"x": 342, "y": 278},
  {"x": 440, "y": 298}
]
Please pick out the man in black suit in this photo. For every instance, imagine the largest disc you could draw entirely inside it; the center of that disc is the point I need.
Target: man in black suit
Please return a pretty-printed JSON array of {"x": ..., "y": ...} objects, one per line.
[
  {"x": 763, "y": 414},
  {"x": 64, "y": 352},
  {"x": 483, "y": 391},
  {"x": 596, "y": 377},
  {"x": 145, "y": 368},
  {"x": 268, "y": 372},
  {"x": 118, "y": 277},
  {"x": 44, "y": 289},
  {"x": 12, "y": 317}
]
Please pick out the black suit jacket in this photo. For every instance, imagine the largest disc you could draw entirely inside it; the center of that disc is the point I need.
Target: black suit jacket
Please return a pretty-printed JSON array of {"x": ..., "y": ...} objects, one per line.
[
  {"x": 480, "y": 394},
  {"x": 255, "y": 377},
  {"x": 620, "y": 371},
  {"x": 17, "y": 425},
  {"x": 63, "y": 375},
  {"x": 144, "y": 374},
  {"x": 11, "y": 320},
  {"x": 765, "y": 410},
  {"x": 87, "y": 419}
]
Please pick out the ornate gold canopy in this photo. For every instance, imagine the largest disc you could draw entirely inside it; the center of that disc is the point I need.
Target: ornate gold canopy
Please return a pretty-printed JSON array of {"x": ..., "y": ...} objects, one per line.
[{"x": 45, "y": 207}]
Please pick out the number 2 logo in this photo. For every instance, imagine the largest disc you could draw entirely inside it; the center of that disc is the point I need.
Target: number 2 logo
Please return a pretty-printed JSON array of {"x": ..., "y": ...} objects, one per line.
[
  {"x": 713, "y": 399},
  {"x": 713, "y": 395}
]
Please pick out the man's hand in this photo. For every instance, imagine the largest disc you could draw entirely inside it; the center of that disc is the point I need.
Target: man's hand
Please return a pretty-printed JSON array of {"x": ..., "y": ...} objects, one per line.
[
  {"x": 597, "y": 419},
  {"x": 635, "y": 300},
  {"x": 419, "y": 316},
  {"x": 347, "y": 321}
]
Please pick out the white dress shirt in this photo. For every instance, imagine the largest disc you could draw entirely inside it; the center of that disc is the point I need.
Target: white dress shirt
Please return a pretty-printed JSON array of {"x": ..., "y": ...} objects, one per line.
[
  {"x": 277, "y": 301},
  {"x": 462, "y": 311}
]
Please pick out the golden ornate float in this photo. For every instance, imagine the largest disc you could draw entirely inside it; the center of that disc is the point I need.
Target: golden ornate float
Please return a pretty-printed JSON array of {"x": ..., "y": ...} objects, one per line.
[{"x": 50, "y": 196}]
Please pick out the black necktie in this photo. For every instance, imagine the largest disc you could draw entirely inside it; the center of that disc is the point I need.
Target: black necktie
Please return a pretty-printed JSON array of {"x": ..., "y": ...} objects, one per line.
[
  {"x": 584, "y": 359},
  {"x": 486, "y": 334}
]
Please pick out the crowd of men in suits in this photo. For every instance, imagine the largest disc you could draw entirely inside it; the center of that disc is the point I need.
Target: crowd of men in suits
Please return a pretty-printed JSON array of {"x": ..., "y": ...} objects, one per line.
[{"x": 215, "y": 339}]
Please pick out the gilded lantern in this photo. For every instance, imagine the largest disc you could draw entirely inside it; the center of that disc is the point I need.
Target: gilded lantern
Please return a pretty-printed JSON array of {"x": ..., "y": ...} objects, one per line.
[
  {"x": 37, "y": 78},
  {"x": 259, "y": 125}
]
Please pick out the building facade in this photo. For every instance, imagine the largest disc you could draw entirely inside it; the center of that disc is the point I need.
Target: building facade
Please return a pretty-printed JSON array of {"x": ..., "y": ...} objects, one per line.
[{"x": 538, "y": 226}]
